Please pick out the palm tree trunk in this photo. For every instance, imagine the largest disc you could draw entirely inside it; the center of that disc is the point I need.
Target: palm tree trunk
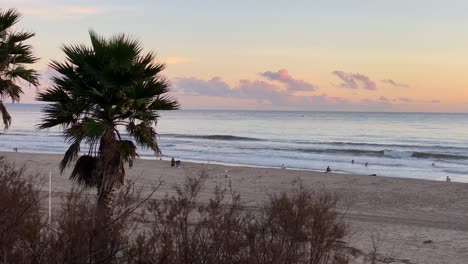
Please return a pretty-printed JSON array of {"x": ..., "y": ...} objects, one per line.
[{"x": 111, "y": 172}]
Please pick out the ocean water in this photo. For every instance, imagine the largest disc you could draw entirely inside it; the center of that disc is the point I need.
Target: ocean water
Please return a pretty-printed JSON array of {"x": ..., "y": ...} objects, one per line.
[{"x": 393, "y": 144}]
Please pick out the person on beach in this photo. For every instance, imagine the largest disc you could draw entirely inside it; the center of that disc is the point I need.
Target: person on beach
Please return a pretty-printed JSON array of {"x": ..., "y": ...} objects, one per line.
[
  {"x": 448, "y": 179},
  {"x": 328, "y": 169},
  {"x": 172, "y": 162},
  {"x": 366, "y": 164},
  {"x": 352, "y": 161},
  {"x": 130, "y": 163}
]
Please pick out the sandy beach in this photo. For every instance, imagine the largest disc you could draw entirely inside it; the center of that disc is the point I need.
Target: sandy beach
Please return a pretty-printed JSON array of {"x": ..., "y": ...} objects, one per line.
[{"x": 402, "y": 213}]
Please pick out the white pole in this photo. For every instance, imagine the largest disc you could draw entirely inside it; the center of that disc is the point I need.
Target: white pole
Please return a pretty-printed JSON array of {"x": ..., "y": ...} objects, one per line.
[{"x": 50, "y": 197}]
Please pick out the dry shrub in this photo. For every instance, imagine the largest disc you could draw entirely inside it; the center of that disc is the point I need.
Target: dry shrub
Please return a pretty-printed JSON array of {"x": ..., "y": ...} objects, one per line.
[
  {"x": 300, "y": 227},
  {"x": 74, "y": 238},
  {"x": 180, "y": 229},
  {"x": 25, "y": 236},
  {"x": 21, "y": 226},
  {"x": 296, "y": 227}
]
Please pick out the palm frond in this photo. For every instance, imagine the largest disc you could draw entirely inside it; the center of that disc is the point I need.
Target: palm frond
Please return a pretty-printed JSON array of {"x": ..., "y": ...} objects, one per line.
[
  {"x": 11, "y": 90},
  {"x": 164, "y": 103},
  {"x": 5, "y": 115},
  {"x": 14, "y": 55},
  {"x": 145, "y": 135},
  {"x": 84, "y": 172},
  {"x": 21, "y": 36},
  {"x": 9, "y": 18},
  {"x": 127, "y": 150},
  {"x": 70, "y": 155},
  {"x": 63, "y": 111},
  {"x": 93, "y": 128},
  {"x": 20, "y": 72}
]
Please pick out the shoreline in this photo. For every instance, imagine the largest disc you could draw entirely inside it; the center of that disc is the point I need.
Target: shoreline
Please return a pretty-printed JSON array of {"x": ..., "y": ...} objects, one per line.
[
  {"x": 227, "y": 164},
  {"x": 404, "y": 212}
]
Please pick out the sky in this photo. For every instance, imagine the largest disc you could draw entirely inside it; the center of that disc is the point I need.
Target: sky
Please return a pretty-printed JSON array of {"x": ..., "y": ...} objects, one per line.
[{"x": 330, "y": 55}]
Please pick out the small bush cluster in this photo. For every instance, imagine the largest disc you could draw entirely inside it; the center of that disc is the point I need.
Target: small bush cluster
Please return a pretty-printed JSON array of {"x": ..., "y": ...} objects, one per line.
[{"x": 296, "y": 227}]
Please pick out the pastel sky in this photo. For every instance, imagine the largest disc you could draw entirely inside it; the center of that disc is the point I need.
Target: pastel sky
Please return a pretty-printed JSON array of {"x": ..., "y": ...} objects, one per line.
[{"x": 347, "y": 55}]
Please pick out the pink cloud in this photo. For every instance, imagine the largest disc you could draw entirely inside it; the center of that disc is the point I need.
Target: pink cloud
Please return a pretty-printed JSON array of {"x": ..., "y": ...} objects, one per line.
[
  {"x": 383, "y": 99},
  {"x": 262, "y": 94},
  {"x": 193, "y": 86},
  {"x": 292, "y": 84},
  {"x": 394, "y": 83},
  {"x": 355, "y": 81}
]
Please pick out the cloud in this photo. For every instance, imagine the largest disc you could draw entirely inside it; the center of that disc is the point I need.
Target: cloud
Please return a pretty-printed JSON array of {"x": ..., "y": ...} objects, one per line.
[
  {"x": 395, "y": 84},
  {"x": 261, "y": 95},
  {"x": 405, "y": 99},
  {"x": 292, "y": 84},
  {"x": 194, "y": 86},
  {"x": 355, "y": 81},
  {"x": 383, "y": 99},
  {"x": 435, "y": 101},
  {"x": 260, "y": 91}
]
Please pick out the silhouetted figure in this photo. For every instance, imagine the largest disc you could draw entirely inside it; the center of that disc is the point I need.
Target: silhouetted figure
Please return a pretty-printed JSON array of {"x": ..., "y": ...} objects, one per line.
[
  {"x": 366, "y": 164},
  {"x": 328, "y": 169},
  {"x": 173, "y": 162},
  {"x": 283, "y": 167},
  {"x": 130, "y": 163},
  {"x": 352, "y": 161},
  {"x": 433, "y": 164},
  {"x": 448, "y": 179}
]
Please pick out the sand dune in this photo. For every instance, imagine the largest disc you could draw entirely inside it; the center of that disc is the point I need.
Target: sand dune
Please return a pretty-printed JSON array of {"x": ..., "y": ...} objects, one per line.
[{"x": 403, "y": 213}]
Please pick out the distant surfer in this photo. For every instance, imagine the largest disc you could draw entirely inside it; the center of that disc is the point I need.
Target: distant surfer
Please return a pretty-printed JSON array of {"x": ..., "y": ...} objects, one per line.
[
  {"x": 173, "y": 162},
  {"x": 328, "y": 169},
  {"x": 433, "y": 164},
  {"x": 352, "y": 161},
  {"x": 366, "y": 164}
]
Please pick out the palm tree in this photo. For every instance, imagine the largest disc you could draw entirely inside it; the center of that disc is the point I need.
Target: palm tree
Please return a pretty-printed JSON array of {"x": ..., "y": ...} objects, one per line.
[
  {"x": 14, "y": 56},
  {"x": 98, "y": 90}
]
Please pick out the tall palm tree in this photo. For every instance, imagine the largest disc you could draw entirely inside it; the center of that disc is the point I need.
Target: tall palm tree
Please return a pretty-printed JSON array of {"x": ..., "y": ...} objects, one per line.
[
  {"x": 98, "y": 90},
  {"x": 15, "y": 55}
]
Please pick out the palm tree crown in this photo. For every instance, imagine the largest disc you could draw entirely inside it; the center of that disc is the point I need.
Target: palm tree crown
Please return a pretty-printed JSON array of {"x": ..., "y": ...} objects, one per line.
[
  {"x": 99, "y": 89},
  {"x": 14, "y": 56}
]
